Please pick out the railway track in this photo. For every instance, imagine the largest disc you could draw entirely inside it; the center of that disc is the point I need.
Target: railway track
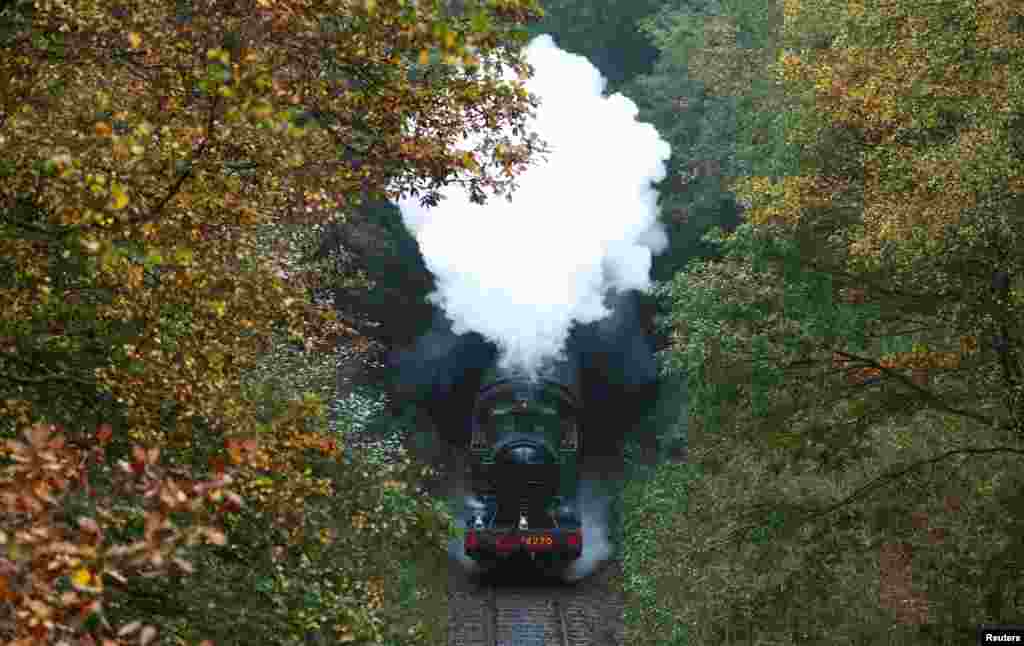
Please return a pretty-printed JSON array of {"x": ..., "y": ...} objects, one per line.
[{"x": 495, "y": 616}]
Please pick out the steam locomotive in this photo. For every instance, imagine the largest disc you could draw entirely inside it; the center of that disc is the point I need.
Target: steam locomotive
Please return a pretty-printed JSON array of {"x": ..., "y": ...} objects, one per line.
[{"x": 524, "y": 450}]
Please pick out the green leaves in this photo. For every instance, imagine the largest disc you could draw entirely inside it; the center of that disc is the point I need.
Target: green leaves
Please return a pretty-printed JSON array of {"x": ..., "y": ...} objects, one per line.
[
  {"x": 145, "y": 280},
  {"x": 832, "y": 345}
]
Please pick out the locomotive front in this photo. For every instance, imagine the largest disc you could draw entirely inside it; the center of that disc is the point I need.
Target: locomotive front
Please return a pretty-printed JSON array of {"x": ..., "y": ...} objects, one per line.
[{"x": 525, "y": 445}]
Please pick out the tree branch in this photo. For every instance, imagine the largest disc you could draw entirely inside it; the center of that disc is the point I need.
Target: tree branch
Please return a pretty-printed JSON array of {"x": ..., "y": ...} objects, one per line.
[
  {"x": 924, "y": 393},
  {"x": 887, "y": 478},
  {"x": 879, "y": 482},
  {"x": 185, "y": 174},
  {"x": 31, "y": 381}
]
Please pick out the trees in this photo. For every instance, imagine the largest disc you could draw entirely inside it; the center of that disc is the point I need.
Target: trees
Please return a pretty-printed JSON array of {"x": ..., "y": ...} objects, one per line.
[
  {"x": 911, "y": 179},
  {"x": 709, "y": 96},
  {"x": 853, "y": 357},
  {"x": 153, "y": 151},
  {"x": 606, "y": 33},
  {"x": 183, "y": 134}
]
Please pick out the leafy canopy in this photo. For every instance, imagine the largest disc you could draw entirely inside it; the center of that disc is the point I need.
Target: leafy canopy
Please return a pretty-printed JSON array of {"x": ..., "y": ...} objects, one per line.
[{"x": 152, "y": 151}]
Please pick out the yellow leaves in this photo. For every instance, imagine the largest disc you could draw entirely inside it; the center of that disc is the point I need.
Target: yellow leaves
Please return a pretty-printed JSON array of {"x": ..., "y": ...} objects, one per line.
[
  {"x": 987, "y": 486},
  {"x": 766, "y": 197},
  {"x": 783, "y": 439},
  {"x": 219, "y": 308},
  {"x": 218, "y": 54},
  {"x": 791, "y": 9},
  {"x": 375, "y": 593},
  {"x": 823, "y": 78},
  {"x": 118, "y": 197},
  {"x": 185, "y": 256},
  {"x": 469, "y": 161},
  {"x": 424, "y": 57},
  {"x": 84, "y": 579},
  {"x": 17, "y": 553},
  {"x": 891, "y": 93},
  {"x": 789, "y": 200},
  {"x": 152, "y": 120}
]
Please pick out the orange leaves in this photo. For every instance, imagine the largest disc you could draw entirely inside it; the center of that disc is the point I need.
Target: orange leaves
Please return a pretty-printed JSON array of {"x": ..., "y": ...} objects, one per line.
[
  {"x": 968, "y": 345},
  {"x": 895, "y": 86},
  {"x": 104, "y": 433},
  {"x": 141, "y": 458},
  {"x": 41, "y": 553},
  {"x": 922, "y": 360},
  {"x": 6, "y": 593},
  {"x": 920, "y": 364},
  {"x": 160, "y": 155},
  {"x": 241, "y": 450}
]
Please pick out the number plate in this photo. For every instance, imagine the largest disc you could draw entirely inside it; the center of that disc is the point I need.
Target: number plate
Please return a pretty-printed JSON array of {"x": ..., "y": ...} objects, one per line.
[{"x": 538, "y": 541}]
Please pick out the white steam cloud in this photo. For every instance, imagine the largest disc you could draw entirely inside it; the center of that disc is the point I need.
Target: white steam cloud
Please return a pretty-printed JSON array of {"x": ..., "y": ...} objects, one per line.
[
  {"x": 594, "y": 508},
  {"x": 465, "y": 506},
  {"x": 583, "y": 220}
]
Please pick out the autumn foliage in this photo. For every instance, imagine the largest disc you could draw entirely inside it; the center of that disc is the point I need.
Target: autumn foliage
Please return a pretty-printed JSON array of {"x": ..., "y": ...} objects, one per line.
[
  {"x": 913, "y": 180},
  {"x": 152, "y": 157},
  {"x": 854, "y": 353},
  {"x": 144, "y": 145},
  {"x": 60, "y": 567}
]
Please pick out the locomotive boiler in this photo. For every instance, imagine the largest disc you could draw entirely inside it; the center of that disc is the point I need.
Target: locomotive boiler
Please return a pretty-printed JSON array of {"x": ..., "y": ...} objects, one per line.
[{"x": 524, "y": 450}]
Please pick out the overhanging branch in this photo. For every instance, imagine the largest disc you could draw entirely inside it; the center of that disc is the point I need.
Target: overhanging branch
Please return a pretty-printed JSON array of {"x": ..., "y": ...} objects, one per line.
[
  {"x": 925, "y": 394},
  {"x": 894, "y": 475}
]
